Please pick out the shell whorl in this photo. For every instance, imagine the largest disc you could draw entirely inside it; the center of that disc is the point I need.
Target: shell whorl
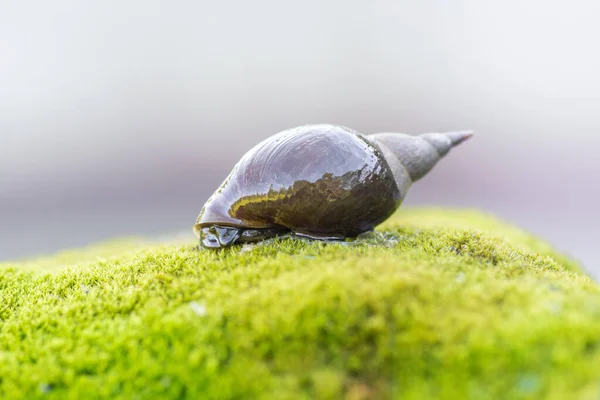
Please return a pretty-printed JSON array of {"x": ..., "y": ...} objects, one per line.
[{"x": 416, "y": 154}]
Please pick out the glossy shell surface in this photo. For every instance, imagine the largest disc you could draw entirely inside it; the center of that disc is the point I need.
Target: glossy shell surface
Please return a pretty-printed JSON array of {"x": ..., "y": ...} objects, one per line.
[{"x": 317, "y": 180}]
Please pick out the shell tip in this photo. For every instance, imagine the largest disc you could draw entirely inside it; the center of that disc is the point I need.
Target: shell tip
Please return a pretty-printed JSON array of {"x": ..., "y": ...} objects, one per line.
[{"x": 461, "y": 136}]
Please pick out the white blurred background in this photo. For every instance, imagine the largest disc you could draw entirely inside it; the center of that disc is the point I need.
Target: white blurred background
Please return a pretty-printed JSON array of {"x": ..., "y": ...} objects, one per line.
[{"x": 120, "y": 118}]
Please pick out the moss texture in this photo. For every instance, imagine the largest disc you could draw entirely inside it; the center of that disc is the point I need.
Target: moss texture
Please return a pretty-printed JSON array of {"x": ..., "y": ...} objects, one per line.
[{"x": 440, "y": 304}]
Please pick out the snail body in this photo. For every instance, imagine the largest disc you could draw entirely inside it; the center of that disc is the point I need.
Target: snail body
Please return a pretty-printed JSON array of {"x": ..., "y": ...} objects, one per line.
[{"x": 318, "y": 181}]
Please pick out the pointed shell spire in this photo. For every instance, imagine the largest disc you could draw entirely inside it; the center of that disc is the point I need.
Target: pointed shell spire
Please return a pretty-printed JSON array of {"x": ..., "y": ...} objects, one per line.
[
  {"x": 418, "y": 154},
  {"x": 460, "y": 136},
  {"x": 443, "y": 142}
]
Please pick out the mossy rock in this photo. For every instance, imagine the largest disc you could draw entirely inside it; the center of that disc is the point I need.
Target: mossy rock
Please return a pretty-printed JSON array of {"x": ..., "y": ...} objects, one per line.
[{"x": 440, "y": 304}]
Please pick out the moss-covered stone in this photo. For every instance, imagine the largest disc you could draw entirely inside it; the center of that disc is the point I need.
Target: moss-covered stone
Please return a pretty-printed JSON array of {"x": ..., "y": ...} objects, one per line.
[{"x": 442, "y": 304}]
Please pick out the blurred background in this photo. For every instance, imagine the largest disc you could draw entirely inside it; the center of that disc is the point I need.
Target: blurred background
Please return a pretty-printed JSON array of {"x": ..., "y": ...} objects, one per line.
[{"x": 121, "y": 118}]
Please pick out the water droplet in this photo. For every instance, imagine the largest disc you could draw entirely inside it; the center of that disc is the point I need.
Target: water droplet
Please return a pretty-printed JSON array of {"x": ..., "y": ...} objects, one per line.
[
  {"x": 45, "y": 388},
  {"x": 198, "y": 308},
  {"x": 528, "y": 384}
]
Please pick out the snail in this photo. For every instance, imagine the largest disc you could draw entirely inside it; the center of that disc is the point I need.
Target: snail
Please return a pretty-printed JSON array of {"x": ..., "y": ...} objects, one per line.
[{"x": 321, "y": 181}]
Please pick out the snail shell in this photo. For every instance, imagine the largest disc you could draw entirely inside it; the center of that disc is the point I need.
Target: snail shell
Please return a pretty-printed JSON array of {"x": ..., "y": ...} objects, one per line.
[{"x": 320, "y": 181}]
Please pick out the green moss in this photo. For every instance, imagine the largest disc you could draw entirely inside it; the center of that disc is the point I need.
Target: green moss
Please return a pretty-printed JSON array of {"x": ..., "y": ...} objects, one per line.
[{"x": 441, "y": 304}]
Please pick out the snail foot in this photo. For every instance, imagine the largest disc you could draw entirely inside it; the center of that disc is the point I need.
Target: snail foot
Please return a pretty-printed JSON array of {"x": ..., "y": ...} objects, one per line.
[
  {"x": 258, "y": 235},
  {"x": 218, "y": 237},
  {"x": 215, "y": 237}
]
